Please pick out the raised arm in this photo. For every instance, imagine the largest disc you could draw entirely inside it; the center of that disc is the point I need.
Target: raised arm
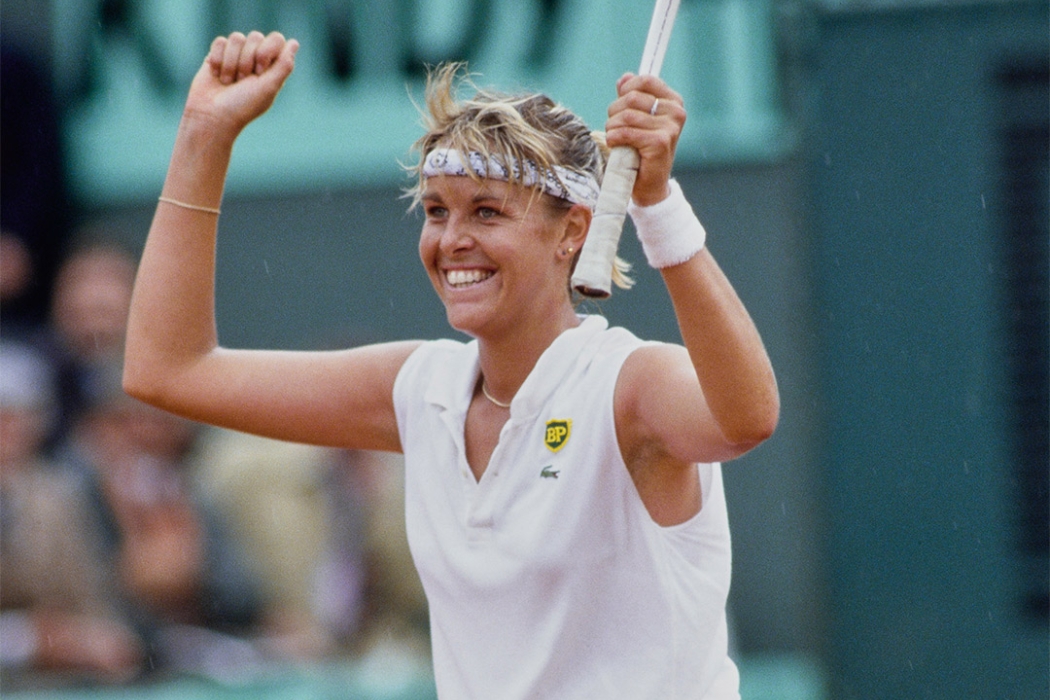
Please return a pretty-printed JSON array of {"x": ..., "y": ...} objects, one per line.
[
  {"x": 172, "y": 357},
  {"x": 718, "y": 397}
]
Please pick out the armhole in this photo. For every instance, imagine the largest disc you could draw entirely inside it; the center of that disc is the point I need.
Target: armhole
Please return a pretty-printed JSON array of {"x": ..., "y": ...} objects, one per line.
[
  {"x": 614, "y": 394},
  {"x": 626, "y": 354},
  {"x": 707, "y": 480},
  {"x": 705, "y": 470},
  {"x": 403, "y": 383}
]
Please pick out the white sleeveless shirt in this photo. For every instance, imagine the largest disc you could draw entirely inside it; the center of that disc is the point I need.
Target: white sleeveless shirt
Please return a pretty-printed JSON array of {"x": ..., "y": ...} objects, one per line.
[{"x": 547, "y": 578}]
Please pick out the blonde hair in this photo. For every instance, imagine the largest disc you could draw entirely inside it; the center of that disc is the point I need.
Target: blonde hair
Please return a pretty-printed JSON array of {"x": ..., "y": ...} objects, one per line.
[{"x": 509, "y": 128}]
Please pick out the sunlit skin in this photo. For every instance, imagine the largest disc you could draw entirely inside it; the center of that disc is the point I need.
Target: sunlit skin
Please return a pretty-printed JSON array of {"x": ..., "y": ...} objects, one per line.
[{"x": 515, "y": 244}]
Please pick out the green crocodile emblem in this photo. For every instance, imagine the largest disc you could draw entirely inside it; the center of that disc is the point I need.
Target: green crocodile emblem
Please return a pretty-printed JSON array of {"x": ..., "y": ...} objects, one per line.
[{"x": 549, "y": 472}]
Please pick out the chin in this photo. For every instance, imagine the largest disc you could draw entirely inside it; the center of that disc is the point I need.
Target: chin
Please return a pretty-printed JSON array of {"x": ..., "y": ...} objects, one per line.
[
  {"x": 463, "y": 321},
  {"x": 475, "y": 322}
]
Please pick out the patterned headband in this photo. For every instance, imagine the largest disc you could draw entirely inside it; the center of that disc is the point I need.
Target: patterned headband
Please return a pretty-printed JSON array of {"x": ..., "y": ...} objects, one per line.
[{"x": 559, "y": 182}]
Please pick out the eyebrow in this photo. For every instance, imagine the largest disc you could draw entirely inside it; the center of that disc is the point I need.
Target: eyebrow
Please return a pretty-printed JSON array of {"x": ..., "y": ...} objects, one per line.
[{"x": 481, "y": 196}]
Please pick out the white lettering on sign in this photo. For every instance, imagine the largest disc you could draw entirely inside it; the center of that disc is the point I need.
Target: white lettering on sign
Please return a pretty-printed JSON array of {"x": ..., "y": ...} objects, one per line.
[{"x": 346, "y": 117}]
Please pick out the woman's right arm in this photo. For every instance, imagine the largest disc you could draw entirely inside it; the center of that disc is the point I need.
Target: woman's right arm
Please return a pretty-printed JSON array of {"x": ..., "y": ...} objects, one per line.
[{"x": 172, "y": 356}]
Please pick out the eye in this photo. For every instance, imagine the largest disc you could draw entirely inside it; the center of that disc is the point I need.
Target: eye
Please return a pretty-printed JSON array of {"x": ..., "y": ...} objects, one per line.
[
  {"x": 435, "y": 211},
  {"x": 487, "y": 213}
]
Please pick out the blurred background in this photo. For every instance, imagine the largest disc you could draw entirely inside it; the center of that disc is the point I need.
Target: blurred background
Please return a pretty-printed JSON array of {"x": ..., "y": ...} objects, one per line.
[{"x": 873, "y": 175}]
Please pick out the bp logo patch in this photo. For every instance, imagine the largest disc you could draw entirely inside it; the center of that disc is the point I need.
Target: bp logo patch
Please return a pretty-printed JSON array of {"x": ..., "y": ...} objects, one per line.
[{"x": 557, "y": 433}]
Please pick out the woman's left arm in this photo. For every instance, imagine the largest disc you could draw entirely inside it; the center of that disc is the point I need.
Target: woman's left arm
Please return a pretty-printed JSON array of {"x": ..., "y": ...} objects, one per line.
[{"x": 717, "y": 398}]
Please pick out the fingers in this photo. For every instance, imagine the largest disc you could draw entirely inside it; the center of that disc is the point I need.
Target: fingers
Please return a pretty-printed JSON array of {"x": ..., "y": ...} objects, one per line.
[
  {"x": 278, "y": 61},
  {"x": 247, "y": 61},
  {"x": 648, "y": 116},
  {"x": 238, "y": 56},
  {"x": 215, "y": 54},
  {"x": 648, "y": 96},
  {"x": 241, "y": 77},
  {"x": 231, "y": 57},
  {"x": 269, "y": 50},
  {"x": 647, "y": 108},
  {"x": 644, "y": 83}
]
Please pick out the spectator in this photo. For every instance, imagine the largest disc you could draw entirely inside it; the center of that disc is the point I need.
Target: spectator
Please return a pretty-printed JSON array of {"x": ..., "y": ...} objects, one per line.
[
  {"x": 57, "y": 619},
  {"x": 185, "y": 586},
  {"x": 394, "y": 614},
  {"x": 326, "y": 528},
  {"x": 88, "y": 316},
  {"x": 278, "y": 502}
]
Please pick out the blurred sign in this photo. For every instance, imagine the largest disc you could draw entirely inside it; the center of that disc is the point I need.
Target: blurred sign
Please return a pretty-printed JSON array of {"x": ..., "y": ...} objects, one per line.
[{"x": 347, "y": 117}]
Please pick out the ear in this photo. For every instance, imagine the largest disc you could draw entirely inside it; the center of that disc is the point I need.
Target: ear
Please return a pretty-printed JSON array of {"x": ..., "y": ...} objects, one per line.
[{"x": 575, "y": 224}]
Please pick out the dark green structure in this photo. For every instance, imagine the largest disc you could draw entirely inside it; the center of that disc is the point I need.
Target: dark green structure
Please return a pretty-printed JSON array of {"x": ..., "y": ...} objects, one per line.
[{"x": 928, "y": 171}]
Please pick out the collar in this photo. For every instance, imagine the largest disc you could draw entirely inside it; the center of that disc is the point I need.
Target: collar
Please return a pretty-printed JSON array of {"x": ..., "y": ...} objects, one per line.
[{"x": 452, "y": 388}]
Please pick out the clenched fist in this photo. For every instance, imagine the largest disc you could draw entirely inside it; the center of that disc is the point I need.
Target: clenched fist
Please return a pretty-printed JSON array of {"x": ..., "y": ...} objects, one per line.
[{"x": 240, "y": 78}]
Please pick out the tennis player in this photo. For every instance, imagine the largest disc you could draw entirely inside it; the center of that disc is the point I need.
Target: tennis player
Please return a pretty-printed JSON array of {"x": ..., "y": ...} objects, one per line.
[{"x": 563, "y": 490}]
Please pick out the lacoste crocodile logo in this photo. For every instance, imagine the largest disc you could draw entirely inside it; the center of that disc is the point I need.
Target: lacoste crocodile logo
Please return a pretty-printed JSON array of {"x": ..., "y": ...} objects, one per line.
[{"x": 549, "y": 472}]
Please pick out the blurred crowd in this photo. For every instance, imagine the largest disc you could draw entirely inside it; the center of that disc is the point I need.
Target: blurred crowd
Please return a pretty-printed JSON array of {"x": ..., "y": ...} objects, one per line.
[{"x": 135, "y": 544}]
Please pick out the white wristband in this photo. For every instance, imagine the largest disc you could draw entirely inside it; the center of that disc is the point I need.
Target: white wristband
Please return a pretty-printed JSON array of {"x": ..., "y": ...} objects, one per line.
[{"x": 669, "y": 230}]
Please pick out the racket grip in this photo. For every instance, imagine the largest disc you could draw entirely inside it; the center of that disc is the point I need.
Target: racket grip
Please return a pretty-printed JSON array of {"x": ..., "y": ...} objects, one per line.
[{"x": 593, "y": 274}]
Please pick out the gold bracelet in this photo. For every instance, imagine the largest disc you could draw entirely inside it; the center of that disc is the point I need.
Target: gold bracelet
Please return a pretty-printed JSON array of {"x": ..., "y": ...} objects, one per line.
[{"x": 194, "y": 207}]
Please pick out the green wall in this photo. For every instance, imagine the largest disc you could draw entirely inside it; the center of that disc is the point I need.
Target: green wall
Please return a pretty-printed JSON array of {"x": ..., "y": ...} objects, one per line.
[{"x": 922, "y": 570}]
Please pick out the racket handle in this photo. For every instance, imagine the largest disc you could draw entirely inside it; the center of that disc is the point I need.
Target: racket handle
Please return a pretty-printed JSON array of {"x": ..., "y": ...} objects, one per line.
[{"x": 593, "y": 274}]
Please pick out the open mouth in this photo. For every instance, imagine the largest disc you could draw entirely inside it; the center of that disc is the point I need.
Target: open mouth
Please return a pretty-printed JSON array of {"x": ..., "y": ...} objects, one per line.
[{"x": 459, "y": 279}]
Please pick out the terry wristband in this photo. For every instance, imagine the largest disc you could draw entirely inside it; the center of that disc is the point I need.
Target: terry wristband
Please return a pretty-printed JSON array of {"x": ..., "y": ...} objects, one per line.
[{"x": 669, "y": 230}]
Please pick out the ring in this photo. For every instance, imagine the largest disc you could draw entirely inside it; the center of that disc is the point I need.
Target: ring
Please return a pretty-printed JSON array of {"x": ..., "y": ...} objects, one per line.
[{"x": 656, "y": 103}]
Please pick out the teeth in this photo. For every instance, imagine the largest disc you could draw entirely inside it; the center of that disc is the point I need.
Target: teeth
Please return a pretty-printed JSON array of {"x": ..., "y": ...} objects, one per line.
[{"x": 460, "y": 278}]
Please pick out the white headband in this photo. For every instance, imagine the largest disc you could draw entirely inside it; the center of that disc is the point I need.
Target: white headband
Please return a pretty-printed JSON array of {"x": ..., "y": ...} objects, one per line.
[{"x": 558, "y": 181}]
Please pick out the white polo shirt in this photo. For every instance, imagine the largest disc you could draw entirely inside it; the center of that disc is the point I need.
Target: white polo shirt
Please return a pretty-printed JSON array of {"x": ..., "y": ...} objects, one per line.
[{"x": 547, "y": 578}]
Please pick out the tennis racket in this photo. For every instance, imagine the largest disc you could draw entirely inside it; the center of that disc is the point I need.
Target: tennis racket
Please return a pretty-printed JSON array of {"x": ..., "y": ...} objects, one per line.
[{"x": 593, "y": 274}]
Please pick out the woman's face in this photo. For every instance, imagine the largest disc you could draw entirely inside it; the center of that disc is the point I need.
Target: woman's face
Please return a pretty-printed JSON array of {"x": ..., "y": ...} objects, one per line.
[{"x": 491, "y": 251}]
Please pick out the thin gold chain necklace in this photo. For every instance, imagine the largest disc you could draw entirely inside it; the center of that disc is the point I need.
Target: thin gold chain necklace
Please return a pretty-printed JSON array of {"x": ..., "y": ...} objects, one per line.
[{"x": 489, "y": 396}]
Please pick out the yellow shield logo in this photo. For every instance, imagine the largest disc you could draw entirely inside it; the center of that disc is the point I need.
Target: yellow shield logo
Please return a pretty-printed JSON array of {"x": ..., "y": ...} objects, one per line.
[{"x": 557, "y": 433}]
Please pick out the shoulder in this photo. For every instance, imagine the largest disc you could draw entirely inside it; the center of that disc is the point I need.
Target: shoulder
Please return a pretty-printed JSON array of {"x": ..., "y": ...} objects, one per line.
[
  {"x": 660, "y": 406},
  {"x": 657, "y": 361},
  {"x": 611, "y": 344},
  {"x": 649, "y": 361},
  {"x": 434, "y": 366},
  {"x": 653, "y": 372},
  {"x": 430, "y": 353}
]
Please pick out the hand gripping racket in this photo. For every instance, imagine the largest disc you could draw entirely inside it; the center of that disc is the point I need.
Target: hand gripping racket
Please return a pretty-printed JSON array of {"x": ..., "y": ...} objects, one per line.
[{"x": 593, "y": 274}]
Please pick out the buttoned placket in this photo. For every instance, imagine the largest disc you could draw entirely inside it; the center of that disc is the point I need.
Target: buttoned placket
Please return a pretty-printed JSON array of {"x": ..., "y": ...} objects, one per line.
[{"x": 479, "y": 495}]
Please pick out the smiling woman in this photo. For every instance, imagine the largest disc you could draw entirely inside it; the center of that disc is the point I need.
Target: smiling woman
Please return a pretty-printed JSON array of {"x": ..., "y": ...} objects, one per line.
[
  {"x": 562, "y": 477},
  {"x": 495, "y": 246}
]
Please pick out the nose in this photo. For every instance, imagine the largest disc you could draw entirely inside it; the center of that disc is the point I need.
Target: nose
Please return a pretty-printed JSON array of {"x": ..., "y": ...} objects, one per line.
[{"x": 455, "y": 237}]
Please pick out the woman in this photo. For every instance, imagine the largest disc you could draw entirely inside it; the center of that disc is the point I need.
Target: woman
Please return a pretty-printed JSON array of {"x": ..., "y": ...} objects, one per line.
[{"x": 563, "y": 505}]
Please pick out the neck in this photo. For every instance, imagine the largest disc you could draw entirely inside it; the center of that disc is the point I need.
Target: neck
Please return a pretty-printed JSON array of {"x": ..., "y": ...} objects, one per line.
[
  {"x": 507, "y": 361},
  {"x": 490, "y": 397}
]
